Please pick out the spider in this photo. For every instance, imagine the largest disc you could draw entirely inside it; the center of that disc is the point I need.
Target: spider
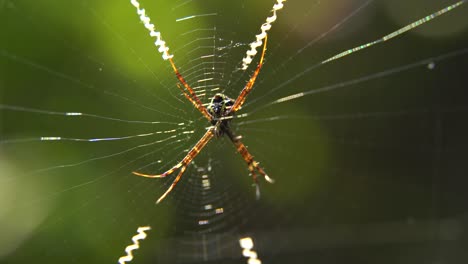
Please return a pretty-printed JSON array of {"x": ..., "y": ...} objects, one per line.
[{"x": 220, "y": 112}]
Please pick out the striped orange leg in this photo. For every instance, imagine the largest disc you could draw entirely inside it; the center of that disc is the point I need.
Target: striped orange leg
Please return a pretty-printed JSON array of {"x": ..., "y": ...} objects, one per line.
[
  {"x": 183, "y": 164},
  {"x": 189, "y": 93},
  {"x": 252, "y": 165},
  {"x": 248, "y": 87}
]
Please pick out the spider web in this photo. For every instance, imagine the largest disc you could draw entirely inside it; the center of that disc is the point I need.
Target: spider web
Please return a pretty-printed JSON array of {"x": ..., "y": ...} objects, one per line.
[{"x": 367, "y": 150}]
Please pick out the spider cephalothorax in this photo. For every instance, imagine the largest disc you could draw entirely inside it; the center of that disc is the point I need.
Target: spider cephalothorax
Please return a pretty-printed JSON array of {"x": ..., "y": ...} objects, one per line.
[
  {"x": 220, "y": 110},
  {"x": 220, "y": 106}
]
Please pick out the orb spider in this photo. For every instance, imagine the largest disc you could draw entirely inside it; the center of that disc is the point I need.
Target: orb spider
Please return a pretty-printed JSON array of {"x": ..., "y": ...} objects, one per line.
[{"x": 219, "y": 112}]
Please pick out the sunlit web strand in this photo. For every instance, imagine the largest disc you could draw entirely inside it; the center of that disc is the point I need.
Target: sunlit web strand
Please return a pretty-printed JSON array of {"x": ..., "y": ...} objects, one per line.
[
  {"x": 350, "y": 51},
  {"x": 88, "y": 86},
  {"x": 81, "y": 185},
  {"x": 176, "y": 148},
  {"x": 353, "y": 116},
  {"x": 326, "y": 33},
  {"x": 56, "y": 138},
  {"x": 32, "y": 64},
  {"x": 21, "y": 140},
  {"x": 145, "y": 107},
  {"x": 368, "y": 77},
  {"x": 111, "y": 138},
  {"x": 396, "y": 33},
  {"x": 356, "y": 81},
  {"x": 57, "y": 167},
  {"x": 76, "y": 114},
  {"x": 77, "y": 186},
  {"x": 106, "y": 156},
  {"x": 136, "y": 56},
  {"x": 308, "y": 45},
  {"x": 195, "y": 16}
]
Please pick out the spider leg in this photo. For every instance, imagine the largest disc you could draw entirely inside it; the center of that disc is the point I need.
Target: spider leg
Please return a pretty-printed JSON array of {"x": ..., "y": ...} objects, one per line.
[
  {"x": 189, "y": 93},
  {"x": 182, "y": 164},
  {"x": 162, "y": 175},
  {"x": 189, "y": 97},
  {"x": 252, "y": 165},
  {"x": 248, "y": 87},
  {"x": 176, "y": 180}
]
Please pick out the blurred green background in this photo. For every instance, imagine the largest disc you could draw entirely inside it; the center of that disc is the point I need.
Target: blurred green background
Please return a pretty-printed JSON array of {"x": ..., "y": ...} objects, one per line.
[{"x": 371, "y": 167}]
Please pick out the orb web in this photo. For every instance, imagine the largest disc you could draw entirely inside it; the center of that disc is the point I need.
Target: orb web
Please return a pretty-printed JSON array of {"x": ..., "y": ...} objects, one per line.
[{"x": 369, "y": 141}]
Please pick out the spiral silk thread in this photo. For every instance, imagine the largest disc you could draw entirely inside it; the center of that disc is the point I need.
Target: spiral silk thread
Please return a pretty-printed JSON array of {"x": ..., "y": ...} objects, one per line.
[
  {"x": 140, "y": 236},
  {"x": 260, "y": 37},
  {"x": 159, "y": 43}
]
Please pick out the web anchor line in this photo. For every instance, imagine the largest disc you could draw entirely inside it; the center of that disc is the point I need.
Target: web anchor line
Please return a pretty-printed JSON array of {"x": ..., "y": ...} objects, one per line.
[
  {"x": 345, "y": 53},
  {"x": 398, "y": 32}
]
